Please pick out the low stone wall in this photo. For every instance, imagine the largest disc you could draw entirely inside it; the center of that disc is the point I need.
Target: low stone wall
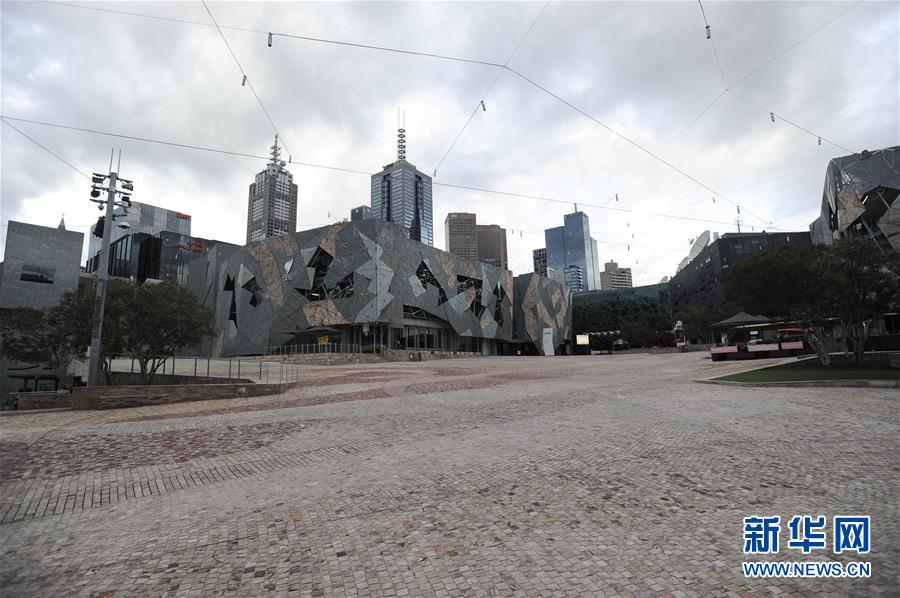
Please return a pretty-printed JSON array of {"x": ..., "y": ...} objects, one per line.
[
  {"x": 128, "y": 379},
  {"x": 424, "y": 355},
  {"x": 42, "y": 400},
  {"x": 389, "y": 355},
  {"x": 325, "y": 358},
  {"x": 113, "y": 397}
]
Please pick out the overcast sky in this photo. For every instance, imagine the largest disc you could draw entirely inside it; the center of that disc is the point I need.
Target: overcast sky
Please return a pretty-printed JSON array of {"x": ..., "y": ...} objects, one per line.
[{"x": 644, "y": 69}]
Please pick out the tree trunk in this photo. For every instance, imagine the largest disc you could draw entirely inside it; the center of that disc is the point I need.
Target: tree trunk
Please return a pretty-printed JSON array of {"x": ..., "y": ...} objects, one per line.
[
  {"x": 861, "y": 335},
  {"x": 144, "y": 375},
  {"x": 816, "y": 340},
  {"x": 107, "y": 370}
]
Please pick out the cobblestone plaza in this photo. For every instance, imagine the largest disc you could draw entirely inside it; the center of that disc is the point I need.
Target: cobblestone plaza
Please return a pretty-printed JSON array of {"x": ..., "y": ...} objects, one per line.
[{"x": 566, "y": 476}]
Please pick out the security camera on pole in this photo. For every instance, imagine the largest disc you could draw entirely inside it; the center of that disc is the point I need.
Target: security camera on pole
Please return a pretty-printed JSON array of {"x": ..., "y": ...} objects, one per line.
[{"x": 111, "y": 189}]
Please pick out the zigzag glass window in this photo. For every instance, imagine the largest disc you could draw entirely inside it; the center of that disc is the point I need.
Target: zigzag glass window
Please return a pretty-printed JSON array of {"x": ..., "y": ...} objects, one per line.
[{"x": 426, "y": 277}]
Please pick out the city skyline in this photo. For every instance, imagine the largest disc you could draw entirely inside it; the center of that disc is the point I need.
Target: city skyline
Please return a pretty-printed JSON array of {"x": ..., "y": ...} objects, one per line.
[{"x": 520, "y": 142}]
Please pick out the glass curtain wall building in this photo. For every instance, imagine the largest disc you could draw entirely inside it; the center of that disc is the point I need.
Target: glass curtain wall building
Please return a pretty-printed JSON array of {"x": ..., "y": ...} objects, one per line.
[
  {"x": 402, "y": 194},
  {"x": 571, "y": 245},
  {"x": 141, "y": 218}
]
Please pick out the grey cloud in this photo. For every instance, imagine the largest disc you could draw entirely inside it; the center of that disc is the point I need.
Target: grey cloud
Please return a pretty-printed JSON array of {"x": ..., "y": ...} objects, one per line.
[{"x": 644, "y": 68}]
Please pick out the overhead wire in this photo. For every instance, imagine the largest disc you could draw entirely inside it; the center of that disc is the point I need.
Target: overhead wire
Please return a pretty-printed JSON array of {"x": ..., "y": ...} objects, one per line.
[
  {"x": 175, "y": 144},
  {"x": 46, "y": 149},
  {"x": 348, "y": 170},
  {"x": 713, "y": 45},
  {"x": 484, "y": 96},
  {"x": 672, "y": 141},
  {"x": 763, "y": 108},
  {"x": 570, "y": 202},
  {"x": 790, "y": 122},
  {"x": 795, "y": 44},
  {"x": 497, "y": 65},
  {"x": 637, "y": 145},
  {"x": 246, "y": 78},
  {"x": 534, "y": 84}
]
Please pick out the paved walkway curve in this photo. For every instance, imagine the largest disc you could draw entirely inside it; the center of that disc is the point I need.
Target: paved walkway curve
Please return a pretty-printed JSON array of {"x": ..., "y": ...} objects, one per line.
[{"x": 577, "y": 476}]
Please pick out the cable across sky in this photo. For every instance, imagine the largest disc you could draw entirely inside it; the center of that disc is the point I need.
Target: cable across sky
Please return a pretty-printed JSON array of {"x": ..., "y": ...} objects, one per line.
[
  {"x": 335, "y": 168},
  {"x": 505, "y": 66}
]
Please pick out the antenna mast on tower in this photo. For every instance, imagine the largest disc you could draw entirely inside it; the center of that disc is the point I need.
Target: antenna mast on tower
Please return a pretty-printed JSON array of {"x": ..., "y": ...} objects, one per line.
[
  {"x": 401, "y": 136},
  {"x": 276, "y": 151}
]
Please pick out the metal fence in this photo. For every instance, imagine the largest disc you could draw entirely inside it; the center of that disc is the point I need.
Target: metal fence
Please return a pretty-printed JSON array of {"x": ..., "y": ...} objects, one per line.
[
  {"x": 313, "y": 348},
  {"x": 260, "y": 370}
]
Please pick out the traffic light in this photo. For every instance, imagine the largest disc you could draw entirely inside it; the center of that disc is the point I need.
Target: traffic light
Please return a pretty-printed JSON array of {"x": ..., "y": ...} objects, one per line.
[{"x": 98, "y": 228}]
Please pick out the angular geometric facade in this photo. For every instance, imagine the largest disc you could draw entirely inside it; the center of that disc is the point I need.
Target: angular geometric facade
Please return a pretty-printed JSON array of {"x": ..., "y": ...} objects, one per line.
[
  {"x": 861, "y": 197},
  {"x": 361, "y": 282},
  {"x": 542, "y": 303}
]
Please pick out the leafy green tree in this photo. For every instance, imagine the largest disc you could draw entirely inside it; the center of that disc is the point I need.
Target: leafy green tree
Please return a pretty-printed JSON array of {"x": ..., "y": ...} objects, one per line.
[
  {"x": 648, "y": 330},
  {"x": 151, "y": 321},
  {"x": 865, "y": 282},
  {"x": 698, "y": 320},
  {"x": 792, "y": 282},
  {"x": 51, "y": 337},
  {"x": 163, "y": 318}
]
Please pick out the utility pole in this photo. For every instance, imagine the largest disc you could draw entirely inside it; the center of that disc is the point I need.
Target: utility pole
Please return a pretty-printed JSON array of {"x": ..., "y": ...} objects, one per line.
[{"x": 103, "y": 263}]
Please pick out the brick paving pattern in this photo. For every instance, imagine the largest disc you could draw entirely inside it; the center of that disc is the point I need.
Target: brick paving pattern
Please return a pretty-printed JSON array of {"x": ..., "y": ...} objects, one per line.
[{"x": 578, "y": 476}]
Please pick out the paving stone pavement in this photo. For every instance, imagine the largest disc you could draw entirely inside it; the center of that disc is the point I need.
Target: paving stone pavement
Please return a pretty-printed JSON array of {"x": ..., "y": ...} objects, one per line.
[{"x": 568, "y": 476}]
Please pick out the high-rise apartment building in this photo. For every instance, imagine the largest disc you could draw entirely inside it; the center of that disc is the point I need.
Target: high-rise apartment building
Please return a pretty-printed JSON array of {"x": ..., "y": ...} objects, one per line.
[
  {"x": 614, "y": 277},
  {"x": 539, "y": 257},
  {"x": 460, "y": 234},
  {"x": 359, "y": 213},
  {"x": 572, "y": 245},
  {"x": 491, "y": 242},
  {"x": 272, "y": 202},
  {"x": 402, "y": 194}
]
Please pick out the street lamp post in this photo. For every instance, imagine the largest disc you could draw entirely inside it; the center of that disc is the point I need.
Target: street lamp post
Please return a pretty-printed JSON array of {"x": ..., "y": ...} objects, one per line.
[{"x": 103, "y": 262}]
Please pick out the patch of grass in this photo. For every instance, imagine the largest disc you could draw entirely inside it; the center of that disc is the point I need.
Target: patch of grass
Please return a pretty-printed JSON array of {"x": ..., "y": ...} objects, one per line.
[{"x": 872, "y": 368}]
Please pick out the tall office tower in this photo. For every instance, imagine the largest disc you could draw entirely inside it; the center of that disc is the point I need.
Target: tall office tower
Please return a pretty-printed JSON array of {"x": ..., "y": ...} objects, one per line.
[
  {"x": 539, "y": 256},
  {"x": 272, "y": 203},
  {"x": 402, "y": 195},
  {"x": 460, "y": 235},
  {"x": 572, "y": 245},
  {"x": 492, "y": 245},
  {"x": 359, "y": 213},
  {"x": 614, "y": 277}
]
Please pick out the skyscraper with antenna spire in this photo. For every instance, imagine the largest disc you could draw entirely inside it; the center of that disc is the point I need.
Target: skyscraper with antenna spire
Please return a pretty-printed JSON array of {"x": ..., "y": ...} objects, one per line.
[
  {"x": 402, "y": 194},
  {"x": 272, "y": 202}
]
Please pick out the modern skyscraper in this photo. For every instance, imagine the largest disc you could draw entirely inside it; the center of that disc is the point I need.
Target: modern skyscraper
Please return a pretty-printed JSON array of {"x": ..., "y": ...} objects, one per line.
[
  {"x": 572, "y": 245},
  {"x": 272, "y": 203},
  {"x": 359, "y": 213},
  {"x": 492, "y": 245},
  {"x": 614, "y": 277},
  {"x": 460, "y": 233},
  {"x": 402, "y": 194}
]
